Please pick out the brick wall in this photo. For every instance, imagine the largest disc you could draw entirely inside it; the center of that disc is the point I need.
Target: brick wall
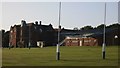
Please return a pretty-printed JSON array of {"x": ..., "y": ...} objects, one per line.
[{"x": 81, "y": 42}]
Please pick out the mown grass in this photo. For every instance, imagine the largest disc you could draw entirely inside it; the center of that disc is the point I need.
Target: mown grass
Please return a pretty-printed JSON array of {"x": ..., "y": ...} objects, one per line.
[
  {"x": 0, "y": 57},
  {"x": 70, "y": 56}
]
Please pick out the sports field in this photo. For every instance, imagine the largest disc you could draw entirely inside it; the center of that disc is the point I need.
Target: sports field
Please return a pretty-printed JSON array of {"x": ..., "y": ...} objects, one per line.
[
  {"x": 0, "y": 57},
  {"x": 70, "y": 56}
]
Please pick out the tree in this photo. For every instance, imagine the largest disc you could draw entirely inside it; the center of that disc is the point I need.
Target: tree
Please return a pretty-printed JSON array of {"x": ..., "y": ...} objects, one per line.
[
  {"x": 86, "y": 28},
  {"x": 116, "y": 25},
  {"x": 5, "y": 39},
  {"x": 100, "y": 26},
  {"x": 75, "y": 28}
]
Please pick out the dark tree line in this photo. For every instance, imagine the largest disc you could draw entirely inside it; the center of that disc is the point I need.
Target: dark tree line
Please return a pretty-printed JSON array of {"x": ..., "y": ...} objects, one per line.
[
  {"x": 101, "y": 26},
  {"x": 5, "y": 38}
]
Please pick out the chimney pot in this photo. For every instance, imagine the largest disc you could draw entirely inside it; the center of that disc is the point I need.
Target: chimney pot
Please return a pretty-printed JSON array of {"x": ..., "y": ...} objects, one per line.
[
  {"x": 36, "y": 22},
  {"x": 40, "y": 22}
]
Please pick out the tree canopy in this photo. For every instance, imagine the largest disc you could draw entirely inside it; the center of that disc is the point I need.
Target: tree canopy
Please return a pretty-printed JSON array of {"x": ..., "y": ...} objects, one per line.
[
  {"x": 101, "y": 26},
  {"x": 86, "y": 28}
]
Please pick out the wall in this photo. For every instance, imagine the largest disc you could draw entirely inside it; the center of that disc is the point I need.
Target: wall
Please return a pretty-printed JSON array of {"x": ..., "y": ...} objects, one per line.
[{"x": 81, "y": 42}]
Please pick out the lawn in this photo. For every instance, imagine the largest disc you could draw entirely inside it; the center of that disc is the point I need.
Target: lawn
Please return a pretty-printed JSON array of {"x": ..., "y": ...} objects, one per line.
[
  {"x": 0, "y": 57},
  {"x": 70, "y": 56}
]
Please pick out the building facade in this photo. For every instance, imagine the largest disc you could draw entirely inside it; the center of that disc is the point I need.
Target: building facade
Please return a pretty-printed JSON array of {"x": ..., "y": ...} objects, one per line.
[
  {"x": 79, "y": 41},
  {"x": 14, "y": 36},
  {"x": 27, "y": 34}
]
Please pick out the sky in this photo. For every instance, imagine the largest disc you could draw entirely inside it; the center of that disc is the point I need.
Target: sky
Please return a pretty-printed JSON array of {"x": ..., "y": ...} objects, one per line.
[
  {"x": 73, "y": 14},
  {"x": 0, "y": 15}
]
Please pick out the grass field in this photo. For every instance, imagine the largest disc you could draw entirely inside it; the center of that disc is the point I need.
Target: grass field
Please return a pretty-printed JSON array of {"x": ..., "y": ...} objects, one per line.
[
  {"x": 70, "y": 56},
  {"x": 0, "y": 57}
]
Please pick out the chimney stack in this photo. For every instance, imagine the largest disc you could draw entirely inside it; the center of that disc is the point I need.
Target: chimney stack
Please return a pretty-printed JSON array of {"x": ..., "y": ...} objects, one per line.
[
  {"x": 23, "y": 23},
  {"x": 40, "y": 22},
  {"x": 60, "y": 27},
  {"x": 36, "y": 22}
]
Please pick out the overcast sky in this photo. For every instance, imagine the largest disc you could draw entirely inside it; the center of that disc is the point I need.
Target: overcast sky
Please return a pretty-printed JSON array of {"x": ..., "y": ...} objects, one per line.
[{"x": 73, "y": 14}]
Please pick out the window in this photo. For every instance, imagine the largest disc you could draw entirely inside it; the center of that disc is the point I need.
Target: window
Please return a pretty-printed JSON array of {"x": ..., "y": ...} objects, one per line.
[
  {"x": 87, "y": 40},
  {"x": 11, "y": 31},
  {"x": 74, "y": 41},
  {"x": 40, "y": 30},
  {"x": 94, "y": 40}
]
